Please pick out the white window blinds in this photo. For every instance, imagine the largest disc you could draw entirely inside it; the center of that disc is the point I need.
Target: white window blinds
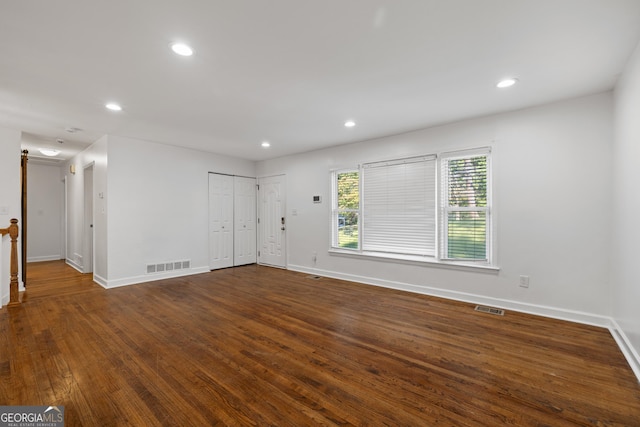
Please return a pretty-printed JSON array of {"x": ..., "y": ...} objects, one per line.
[{"x": 399, "y": 206}]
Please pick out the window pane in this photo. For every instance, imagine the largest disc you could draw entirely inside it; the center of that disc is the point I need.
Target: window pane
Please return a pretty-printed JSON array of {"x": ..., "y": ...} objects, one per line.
[
  {"x": 346, "y": 204},
  {"x": 467, "y": 235},
  {"x": 347, "y": 230},
  {"x": 467, "y": 179},
  {"x": 348, "y": 190}
]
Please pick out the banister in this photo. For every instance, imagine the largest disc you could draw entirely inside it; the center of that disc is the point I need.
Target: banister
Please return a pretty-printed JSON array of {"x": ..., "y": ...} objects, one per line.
[{"x": 12, "y": 231}]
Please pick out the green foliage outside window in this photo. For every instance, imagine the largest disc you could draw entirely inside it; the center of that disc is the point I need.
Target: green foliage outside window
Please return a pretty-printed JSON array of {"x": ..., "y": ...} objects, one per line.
[
  {"x": 467, "y": 189},
  {"x": 348, "y": 205}
]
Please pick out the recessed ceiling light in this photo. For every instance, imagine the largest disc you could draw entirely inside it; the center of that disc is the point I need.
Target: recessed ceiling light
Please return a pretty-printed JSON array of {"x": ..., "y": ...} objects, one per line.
[
  {"x": 349, "y": 123},
  {"x": 507, "y": 83},
  {"x": 182, "y": 49},
  {"x": 266, "y": 144},
  {"x": 49, "y": 152},
  {"x": 113, "y": 106}
]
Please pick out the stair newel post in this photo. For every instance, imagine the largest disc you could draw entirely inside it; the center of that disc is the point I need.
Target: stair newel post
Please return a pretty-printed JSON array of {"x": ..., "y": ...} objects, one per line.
[{"x": 14, "y": 296}]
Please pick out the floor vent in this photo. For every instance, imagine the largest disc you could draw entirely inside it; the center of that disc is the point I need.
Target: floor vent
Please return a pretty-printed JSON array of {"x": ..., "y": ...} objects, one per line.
[
  {"x": 313, "y": 277},
  {"x": 490, "y": 310},
  {"x": 168, "y": 266}
]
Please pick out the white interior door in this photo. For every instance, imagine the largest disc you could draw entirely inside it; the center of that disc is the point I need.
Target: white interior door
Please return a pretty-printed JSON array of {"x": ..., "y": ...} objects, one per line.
[
  {"x": 220, "y": 221},
  {"x": 244, "y": 221},
  {"x": 87, "y": 261},
  {"x": 272, "y": 221}
]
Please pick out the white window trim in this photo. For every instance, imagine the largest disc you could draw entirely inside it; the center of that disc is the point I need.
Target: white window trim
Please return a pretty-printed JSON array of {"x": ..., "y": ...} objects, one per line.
[
  {"x": 412, "y": 260},
  {"x": 443, "y": 210},
  {"x": 334, "y": 208}
]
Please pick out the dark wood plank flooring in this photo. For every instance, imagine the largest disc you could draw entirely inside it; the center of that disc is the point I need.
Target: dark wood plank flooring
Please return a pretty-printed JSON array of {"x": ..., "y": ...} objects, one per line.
[{"x": 267, "y": 347}]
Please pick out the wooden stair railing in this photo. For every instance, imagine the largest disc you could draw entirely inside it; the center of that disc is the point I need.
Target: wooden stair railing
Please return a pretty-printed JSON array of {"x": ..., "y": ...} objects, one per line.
[{"x": 12, "y": 231}]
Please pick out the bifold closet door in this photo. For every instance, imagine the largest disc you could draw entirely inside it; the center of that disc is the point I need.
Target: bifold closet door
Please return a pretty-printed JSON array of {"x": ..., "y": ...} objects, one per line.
[
  {"x": 220, "y": 221},
  {"x": 244, "y": 221}
]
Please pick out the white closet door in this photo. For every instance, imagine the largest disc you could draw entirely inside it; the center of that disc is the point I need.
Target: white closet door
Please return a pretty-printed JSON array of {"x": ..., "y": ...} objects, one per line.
[
  {"x": 220, "y": 221},
  {"x": 244, "y": 220}
]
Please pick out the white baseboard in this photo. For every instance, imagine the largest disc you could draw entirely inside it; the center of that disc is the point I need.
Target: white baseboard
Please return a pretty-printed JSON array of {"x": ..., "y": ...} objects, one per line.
[
  {"x": 109, "y": 284},
  {"x": 74, "y": 265},
  {"x": 553, "y": 312},
  {"x": 44, "y": 258},
  {"x": 540, "y": 310},
  {"x": 100, "y": 280},
  {"x": 630, "y": 353}
]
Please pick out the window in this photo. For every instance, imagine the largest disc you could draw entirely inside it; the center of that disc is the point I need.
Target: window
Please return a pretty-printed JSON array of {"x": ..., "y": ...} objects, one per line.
[
  {"x": 465, "y": 208},
  {"x": 346, "y": 209},
  {"x": 396, "y": 208}
]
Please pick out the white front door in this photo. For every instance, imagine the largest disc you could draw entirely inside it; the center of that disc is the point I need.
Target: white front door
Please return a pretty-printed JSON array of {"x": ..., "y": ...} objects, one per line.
[
  {"x": 244, "y": 221},
  {"x": 220, "y": 221},
  {"x": 272, "y": 221}
]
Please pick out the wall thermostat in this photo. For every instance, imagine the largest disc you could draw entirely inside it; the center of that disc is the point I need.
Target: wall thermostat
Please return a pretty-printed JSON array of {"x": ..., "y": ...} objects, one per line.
[{"x": 317, "y": 199}]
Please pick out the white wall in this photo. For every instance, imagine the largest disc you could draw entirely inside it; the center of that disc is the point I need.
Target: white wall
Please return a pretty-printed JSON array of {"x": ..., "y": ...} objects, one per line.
[
  {"x": 9, "y": 199},
  {"x": 151, "y": 206},
  {"x": 552, "y": 178},
  {"x": 44, "y": 212},
  {"x": 158, "y": 206},
  {"x": 626, "y": 211}
]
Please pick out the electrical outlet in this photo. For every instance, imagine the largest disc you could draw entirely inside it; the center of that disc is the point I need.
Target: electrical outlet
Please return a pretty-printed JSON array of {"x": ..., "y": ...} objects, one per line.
[{"x": 524, "y": 281}]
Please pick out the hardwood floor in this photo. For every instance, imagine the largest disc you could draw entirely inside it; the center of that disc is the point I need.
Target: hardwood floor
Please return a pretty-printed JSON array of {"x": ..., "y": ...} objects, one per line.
[{"x": 261, "y": 346}]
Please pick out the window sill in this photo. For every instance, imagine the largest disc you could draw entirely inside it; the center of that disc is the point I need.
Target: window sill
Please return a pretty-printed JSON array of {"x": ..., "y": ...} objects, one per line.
[{"x": 414, "y": 260}]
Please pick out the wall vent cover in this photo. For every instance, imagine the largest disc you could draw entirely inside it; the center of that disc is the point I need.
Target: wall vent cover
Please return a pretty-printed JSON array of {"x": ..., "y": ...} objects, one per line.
[
  {"x": 490, "y": 310},
  {"x": 168, "y": 266}
]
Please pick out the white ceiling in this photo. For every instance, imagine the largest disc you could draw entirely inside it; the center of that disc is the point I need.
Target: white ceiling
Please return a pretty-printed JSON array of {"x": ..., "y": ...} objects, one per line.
[{"x": 292, "y": 71}]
